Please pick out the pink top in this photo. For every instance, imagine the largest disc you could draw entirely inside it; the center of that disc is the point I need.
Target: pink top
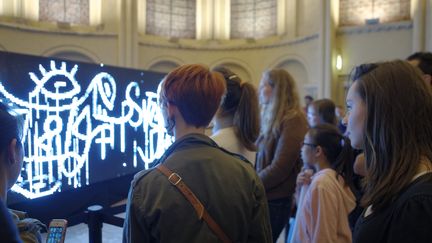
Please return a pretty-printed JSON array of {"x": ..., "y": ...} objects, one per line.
[{"x": 323, "y": 215}]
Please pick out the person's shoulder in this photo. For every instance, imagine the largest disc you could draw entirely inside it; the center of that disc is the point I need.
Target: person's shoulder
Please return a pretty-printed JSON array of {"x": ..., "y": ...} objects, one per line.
[
  {"x": 296, "y": 119},
  {"x": 324, "y": 179},
  {"x": 138, "y": 178},
  {"x": 324, "y": 174},
  {"x": 29, "y": 228},
  {"x": 420, "y": 190}
]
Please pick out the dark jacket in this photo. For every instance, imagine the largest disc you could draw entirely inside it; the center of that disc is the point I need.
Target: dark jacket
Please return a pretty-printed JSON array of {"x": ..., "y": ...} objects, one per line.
[
  {"x": 407, "y": 219},
  {"x": 278, "y": 158},
  {"x": 227, "y": 186},
  {"x": 8, "y": 229}
]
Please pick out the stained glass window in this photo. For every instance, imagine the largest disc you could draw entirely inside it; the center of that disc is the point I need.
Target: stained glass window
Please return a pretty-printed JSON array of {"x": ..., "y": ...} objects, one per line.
[
  {"x": 69, "y": 11},
  {"x": 355, "y": 12},
  {"x": 171, "y": 18},
  {"x": 253, "y": 18}
]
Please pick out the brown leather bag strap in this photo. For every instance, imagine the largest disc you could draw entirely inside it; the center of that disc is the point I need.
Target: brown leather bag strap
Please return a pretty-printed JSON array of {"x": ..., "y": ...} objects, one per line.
[{"x": 177, "y": 181}]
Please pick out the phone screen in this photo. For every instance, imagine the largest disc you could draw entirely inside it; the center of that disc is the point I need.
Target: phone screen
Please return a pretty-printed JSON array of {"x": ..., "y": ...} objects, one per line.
[{"x": 55, "y": 235}]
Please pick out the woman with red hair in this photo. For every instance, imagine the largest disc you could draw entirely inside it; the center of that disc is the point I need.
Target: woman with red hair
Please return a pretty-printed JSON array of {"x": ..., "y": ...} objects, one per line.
[{"x": 223, "y": 187}]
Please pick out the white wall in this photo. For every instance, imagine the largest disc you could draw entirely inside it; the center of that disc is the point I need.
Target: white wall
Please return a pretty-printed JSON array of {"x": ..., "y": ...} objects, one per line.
[
  {"x": 252, "y": 58},
  {"x": 98, "y": 47},
  {"x": 371, "y": 44}
]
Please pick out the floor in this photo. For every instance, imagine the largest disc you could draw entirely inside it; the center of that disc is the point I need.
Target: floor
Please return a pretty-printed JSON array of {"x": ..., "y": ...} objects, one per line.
[{"x": 110, "y": 234}]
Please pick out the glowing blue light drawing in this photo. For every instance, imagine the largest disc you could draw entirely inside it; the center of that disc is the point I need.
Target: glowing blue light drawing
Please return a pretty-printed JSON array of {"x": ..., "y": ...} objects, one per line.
[{"x": 62, "y": 125}]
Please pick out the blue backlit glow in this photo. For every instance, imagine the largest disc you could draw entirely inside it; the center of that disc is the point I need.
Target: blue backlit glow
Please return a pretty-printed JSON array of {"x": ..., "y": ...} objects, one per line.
[{"x": 65, "y": 123}]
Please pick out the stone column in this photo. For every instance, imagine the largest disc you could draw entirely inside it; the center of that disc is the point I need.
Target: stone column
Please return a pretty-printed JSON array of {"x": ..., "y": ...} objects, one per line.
[
  {"x": 204, "y": 19},
  {"x": 290, "y": 17},
  {"x": 418, "y": 18},
  {"x": 128, "y": 34},
  {"x": 222, "y": 19},
  {"x": 329, "y": 20},
  {"x": 428, "y": 26}
]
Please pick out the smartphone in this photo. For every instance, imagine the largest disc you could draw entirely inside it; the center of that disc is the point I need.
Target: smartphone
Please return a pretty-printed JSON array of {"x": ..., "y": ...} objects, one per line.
[{"x": 57, "y": 231}]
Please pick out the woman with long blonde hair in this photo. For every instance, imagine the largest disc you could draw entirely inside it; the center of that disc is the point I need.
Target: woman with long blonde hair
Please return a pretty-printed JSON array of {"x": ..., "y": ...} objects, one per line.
[{"x": 283, "y": 129}]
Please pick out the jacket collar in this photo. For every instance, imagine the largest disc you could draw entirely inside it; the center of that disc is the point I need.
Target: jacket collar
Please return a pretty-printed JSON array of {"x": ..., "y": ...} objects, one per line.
[{"x": 192, "y": 139}]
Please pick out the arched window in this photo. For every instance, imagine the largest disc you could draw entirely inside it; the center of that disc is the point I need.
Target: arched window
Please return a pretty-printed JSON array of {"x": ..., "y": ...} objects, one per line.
[
  {"x": 171, "y": 18},
  {"x": 253, "y": 18},
  {"x": 68, "y": 11},
  {"x": 354, "y": 12}
]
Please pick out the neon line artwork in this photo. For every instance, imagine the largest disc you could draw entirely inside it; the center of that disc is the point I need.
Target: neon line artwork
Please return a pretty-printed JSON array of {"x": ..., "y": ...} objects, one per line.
[{"x": 64, "y": 123}]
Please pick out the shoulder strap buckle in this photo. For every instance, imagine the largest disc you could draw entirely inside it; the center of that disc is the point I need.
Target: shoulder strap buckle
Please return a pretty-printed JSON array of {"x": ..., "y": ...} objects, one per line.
[{"x": 174, "y": 178}]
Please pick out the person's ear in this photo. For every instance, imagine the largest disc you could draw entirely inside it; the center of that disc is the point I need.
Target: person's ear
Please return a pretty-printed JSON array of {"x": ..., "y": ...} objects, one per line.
[
  {"x": 171, "y": 109},
  {"x": 318, "y": 151},
  {"x": 12, "y": 151}
]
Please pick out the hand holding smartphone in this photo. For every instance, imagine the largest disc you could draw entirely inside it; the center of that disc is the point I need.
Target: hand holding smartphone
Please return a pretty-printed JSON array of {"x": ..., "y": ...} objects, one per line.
[{"x": 57, "y": 231}]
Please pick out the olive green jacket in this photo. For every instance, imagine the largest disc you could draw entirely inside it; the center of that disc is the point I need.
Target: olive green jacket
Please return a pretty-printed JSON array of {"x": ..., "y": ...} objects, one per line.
[{"x": 226, "y": 185}]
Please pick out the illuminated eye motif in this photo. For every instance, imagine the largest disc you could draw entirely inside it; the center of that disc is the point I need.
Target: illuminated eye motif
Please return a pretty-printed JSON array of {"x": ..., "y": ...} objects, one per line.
[
  {"x": 57, "y": 83},
  {"x": 63, "y": 126},
  {"x": 106, "y": 86}
]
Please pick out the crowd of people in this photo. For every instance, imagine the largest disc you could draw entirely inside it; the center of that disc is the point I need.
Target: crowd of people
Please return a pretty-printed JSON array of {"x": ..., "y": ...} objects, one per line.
[{"x": 362, "y": 176}]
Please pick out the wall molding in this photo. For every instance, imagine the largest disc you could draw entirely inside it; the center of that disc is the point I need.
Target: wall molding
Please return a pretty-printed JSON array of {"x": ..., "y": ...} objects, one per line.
[
  {"x": 386, "y": 27},
  {"x": 287, "y": 58},
  {"x": 235, "y": 61},
  {"x": 160, "y": 59},
  {"x": 53, "y": 28},
  {"x": 223, "y": 45},
  {"x": 72, "y": 48}
]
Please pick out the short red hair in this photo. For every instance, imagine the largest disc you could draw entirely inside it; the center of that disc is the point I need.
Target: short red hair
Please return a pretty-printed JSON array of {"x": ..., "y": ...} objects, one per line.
[{"x": 196, "y": 91}]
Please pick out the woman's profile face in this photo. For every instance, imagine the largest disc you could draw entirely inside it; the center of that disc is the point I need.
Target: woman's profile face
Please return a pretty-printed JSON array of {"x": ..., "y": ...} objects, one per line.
[
  {"x": 355, "y": 117},
  {"x": 265, "y": 91},
  {"x": 307, "y": 150}
]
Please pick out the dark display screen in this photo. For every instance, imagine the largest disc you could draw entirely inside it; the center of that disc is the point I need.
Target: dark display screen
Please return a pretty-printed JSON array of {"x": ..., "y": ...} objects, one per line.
[{"x": 83, "y": 123}]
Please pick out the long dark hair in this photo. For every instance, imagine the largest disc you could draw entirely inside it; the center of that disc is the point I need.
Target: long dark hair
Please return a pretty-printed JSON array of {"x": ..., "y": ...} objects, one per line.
[
  {"x": 398, "y": 127},
  {"x": 337, "y": 149},
  {"x": 326, "y": 110},
  {"x": 241, "y": 102}
]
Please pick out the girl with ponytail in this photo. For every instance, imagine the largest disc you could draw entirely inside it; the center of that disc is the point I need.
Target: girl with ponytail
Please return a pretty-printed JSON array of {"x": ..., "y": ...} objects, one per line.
[
  {"x": 236, "y": 123},
  {"x": 324, "y": 211}
]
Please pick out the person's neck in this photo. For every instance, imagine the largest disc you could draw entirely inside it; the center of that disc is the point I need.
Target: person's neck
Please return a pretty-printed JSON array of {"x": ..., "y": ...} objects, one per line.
[
  {"x": 322, "y": 164},
  {"x": 222, "y": 122},
  {"x": 182, "y": 129}
]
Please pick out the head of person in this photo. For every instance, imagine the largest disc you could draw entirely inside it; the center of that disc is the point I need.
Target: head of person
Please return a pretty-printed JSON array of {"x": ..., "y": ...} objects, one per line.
[
  {"x": 339, "y": 112},
  {"x": 279, "y": 99},
  {"x": 240, "y": 104},
  {"x": 11, "y": 149},
  {"x": 324, "y": 142},
  {"x": 321, "y": 111},
  {"x": 389, "y": 107},
  {"x": 423, "y": 60},
  {"x": 308, "y": 100},
  {"x": 190, "y": 95}
]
